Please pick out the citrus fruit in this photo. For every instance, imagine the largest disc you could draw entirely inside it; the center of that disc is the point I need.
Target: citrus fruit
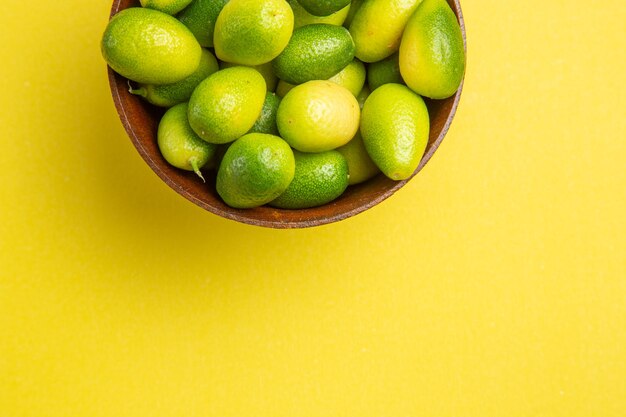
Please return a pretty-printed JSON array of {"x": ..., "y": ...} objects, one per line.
[
  {"x": 318, "y": 116},
  {"x": 395, "y": 127},
  {"x": 360, "y": 165},
  {"x": 200, "y": 17},
  {"x": 303, "y": 18},
  {"x": 378, "y": 25},
  {"x": 252, "y": 32},
  {"x": 355, "y": 5},
  {"x": 283, "y": 88},
  {"x": 179, "y": 144},
  {"x": 315, "y": 52},
  {"x": 226, "y": 105},
  {"x": 167, "y": 95},
  {"x": 351, "y": 77},
  {"x": 166, "y": 6},
  {"x": 384, "y": 72},
  {"x": 266, "y": 123},
  {"x": 255, "y": 170},
  {"x": 432, "y": 55},
  {"x": 319, "y": 179},
  {"x": 363, "y": 95},
  {"x": 323, "y": 7},
  {"x": 266, "y": 70},
  {"x": 149, "y": 46}
]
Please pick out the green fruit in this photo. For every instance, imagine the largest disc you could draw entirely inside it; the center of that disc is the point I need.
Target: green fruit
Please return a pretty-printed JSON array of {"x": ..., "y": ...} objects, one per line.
[
  {"x": 323, "y": 7},
  {"x": 266, "y": 70},
  {"x": 252, "y": 32},
  {"x": 226, "y": 105},
  {"x": 266, "y": 123},
  {"x": 179, "y": 144},
  {"x": 167, "y": 95},
  {"x": 386, "y": 71},
  {"x": 200, "y": 17},
  {"x": 395, "y": 128},
  {"x": 166, "y": 6},
  {"x": 351, "y": 77},
  {"x": 378, "y": 25},
  {"x": 432, "y": 55},
  {"x": 319, "y": 179},
  {"x": 315, "y": 52},
  {"x": 318, "y": 116},
  {"x": 303, "y": 18},
  {"x": 283, "y": 88},
  {"x": 355, "y": 5},
  {"x": 363, "y": 95},
  {"x": 255, "y": 170},
  {"x": 151, "y": 47},
  {"x": 360, "y": 165}
]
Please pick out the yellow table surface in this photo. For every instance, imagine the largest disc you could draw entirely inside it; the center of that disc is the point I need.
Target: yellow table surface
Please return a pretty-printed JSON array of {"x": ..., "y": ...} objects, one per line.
[{"x": 494, "y": 284}]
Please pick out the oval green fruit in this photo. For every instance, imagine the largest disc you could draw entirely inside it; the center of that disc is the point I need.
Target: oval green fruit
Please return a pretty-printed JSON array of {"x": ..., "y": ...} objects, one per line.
[
  {"x": 323, "y": 7},
  {"x": 351, "y": 77},
  {"x": 179, "y": 144},
  {"x": 395, "y": 128},
  {"x": 283, "y": 88},
  {"x": 151, "y": 47},
  {"x": 360, "y": 165},
  {"x": 432, "y": 54},
  {"x": 200, "y": 17},
  {"x": 252, "y": 32},
  {"x": 168, "y": 95},
  {"x": 355, "y": 5},
  {"x": 304, "y": 18},
  {"x": 378, "y": 25},
  {"x": 315, "y": 52},
  {"x": 226, "y": 105},
  {"x": 255, "y": 170},
  {"x": 319, "y": 179},
  {"x": 266, "y": 123},
  {"x": 166, "y": 6},
  {"x": 386, "y": 71},
  {"x": 266, "y": 70}
]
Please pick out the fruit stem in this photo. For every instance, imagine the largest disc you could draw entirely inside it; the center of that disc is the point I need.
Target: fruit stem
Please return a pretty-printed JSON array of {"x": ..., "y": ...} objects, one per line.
[
  {"x": 194, "y": 165},
  {"x": 138, "y": 91}
]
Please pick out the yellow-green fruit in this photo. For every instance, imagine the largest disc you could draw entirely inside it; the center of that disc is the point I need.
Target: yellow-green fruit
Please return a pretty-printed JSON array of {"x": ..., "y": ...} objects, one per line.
[
  {"x": 150, "y": 47},
  {"x": 166, "y": 6},
  {"x": 386, "y": 71},
  {"x": 360, "y": 165},
  {"x": 355, "y": 5},
  {"x": 252, "y": 32},
  {"x": 226, "y": 105},
  {"x": 167, "y": 95},
  {"x": 323, "y": 7},
  {"x": 351, "y": 77},
  {"x": 266, "y": 70},
  {"x": 266, "y": 123},
  {"x": 283, "y": 88},
  {"x": 255, "y": 170},
  {"x": 378, "y": 25},
  {"x": 200, "y": 17},
  {"x": 363, "y": 95},
  {"x": 395, "y": 128},
  {"x": 303, "y": 18},
  {"x": 319, "y": 179},
  {"x": 432, "y": 55},
  {"x": 318, "y": 116},
  {"x": 179, "y": 144}
]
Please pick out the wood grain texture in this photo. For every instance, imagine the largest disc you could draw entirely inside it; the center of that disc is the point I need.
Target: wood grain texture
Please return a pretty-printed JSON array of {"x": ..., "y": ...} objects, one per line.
[{"x": 141, "y": 120}]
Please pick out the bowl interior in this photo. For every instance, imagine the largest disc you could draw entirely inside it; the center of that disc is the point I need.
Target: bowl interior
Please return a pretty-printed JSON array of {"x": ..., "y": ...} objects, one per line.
[{"x": 141, "y": 120}]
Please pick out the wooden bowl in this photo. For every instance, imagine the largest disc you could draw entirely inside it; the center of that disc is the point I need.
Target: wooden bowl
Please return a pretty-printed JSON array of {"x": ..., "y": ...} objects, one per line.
[{"x": 141, "y": 121}]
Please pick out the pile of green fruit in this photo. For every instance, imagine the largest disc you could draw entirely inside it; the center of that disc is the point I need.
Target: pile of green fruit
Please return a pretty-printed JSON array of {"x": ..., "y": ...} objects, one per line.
[{"x": 291, "y": 101}]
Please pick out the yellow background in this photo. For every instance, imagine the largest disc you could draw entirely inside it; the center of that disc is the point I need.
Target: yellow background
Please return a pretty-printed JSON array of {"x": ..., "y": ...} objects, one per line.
[{"x": 494, "y": 284}]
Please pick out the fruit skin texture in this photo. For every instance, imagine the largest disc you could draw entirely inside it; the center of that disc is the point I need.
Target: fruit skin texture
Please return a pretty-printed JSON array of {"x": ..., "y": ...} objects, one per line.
[
  {"x": 386, "y": 71},
  {"x": 395, "y": 128},
  {"x": 179, "y": 144},
  {"x": 432, "y": 55},
  {"x": 166, "y": 6},
  {"x": 255, "y": 170},
  {"x": 168, "y": 95},
  {"x": 360, "y": 165},
  {"x": 151, "y": 47},
  {"x": 319, "y": 179},
  {"x": 378, "y": 25},
  {"x": 252, "y": 32},
  {"x": 351, "y": 77},
  {"x": 315, "y": 52},
  {"x": 266, "y": 123},
  {"x": 200, "y": 17},
  {"x": 355, "y": 5},
  {"x": 323, "y": 7},
  {"x": 266, "y": 70},
  {"x": 303, "y": 18},
  {"x": 226, "y": 105},
  {"x": 318, "y": 116}
]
